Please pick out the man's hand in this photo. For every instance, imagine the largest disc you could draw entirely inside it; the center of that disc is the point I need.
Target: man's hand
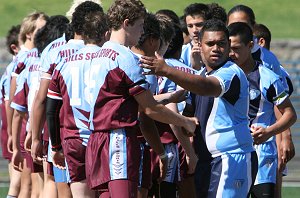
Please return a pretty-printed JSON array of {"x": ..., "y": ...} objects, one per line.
[
  {"x": 190, "y": 126},
  {"x": 192, "y": 163},
  {"x": 196, "y": 59},
  {"x": 28, "y": 142},
  {"x": 9, "y": 144},
  {"x": 178, "y": 96},
  {"x": 17, "y": 160},
  {"x": 37, "y": 151},
  {"x": 259, "y": 134},
  {"x": 163, "y": 166},
  {"x": 58, "y": 159},
  {"x": 287, "y": 148},
  {"x": 157, "y": 65}
]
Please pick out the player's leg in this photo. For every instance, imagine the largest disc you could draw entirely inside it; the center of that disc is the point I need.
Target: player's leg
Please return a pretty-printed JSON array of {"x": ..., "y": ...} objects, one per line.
[
  {"x": 15, "y": 181},
  {"x": 25, "y": 190},
  {"x": 49, "y": 190},
  {"x": 36, "y": 176}
]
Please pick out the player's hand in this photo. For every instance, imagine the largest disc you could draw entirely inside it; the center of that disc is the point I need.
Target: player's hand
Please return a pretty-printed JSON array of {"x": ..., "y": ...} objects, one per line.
[
  {"x": 196, "y": 60},
  {"x": 28, "y": 142},
  {"x": 259, "y": 134},
  {"x": 178, "y": 96},
  {"x": 287, "y": 149},
  {"x": 157, "y": 65},
  {"x": 58, "y": 159},
  {"x": 192, "y": 163},
  {"x": 9, "y": 144},
  {"x": 37, "y": 151},
  {"x": 190, "y": 126},
  {"x": 17, "y": 160},
  {"x": 163, "y": 166}
]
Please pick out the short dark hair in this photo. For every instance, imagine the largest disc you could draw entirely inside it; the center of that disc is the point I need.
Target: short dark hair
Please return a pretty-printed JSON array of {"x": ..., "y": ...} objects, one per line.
[
  {"x": 80, "y": 12},
  {"x": 247, "y": 10},
  {"x": 12, "y": 38},
  {"x": 54, "y": 28},
  {"x": 213, "y": 25},
  {"x": 125, "y": 9},
  {"x": 261, "y": 31},
  {"x": 197, "y": 9},
  {"x": 166, "y": 28},
  {"x": 176, "y": 43},
  {"x": 182, "y": 25},
  {"x": 151, "y": 29},
  {"x": 242, "y": 30},
  {"x": 169, "y": 13},
  {"x": 218, "y": 12},
  {"x": 94, "y": 28}
]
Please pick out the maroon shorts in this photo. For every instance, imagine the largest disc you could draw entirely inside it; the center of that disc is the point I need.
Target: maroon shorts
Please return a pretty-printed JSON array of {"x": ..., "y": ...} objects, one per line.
[
  {"x": 145, "y": 177},
  {"x": 111, "y": 156},
  {"x": 4, "y": 138},
  {"x": 34, "y": 167},
  {"x": 74, "y": 153}
]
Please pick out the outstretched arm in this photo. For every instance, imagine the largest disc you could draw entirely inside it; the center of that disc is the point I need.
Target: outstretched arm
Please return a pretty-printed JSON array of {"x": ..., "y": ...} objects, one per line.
[{"x": 208, "y": 86}]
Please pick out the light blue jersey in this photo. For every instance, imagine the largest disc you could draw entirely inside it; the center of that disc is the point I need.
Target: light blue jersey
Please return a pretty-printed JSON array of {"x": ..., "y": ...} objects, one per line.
[
  {"x": 186, "y": 54},
  {"x": 70, "y": 83},
  {"x": 224, "y": 119}
]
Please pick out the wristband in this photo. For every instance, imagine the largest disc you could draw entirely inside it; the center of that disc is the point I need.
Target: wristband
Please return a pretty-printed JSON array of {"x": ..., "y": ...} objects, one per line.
[
  {"x": 163, "y": 156},
  {"x": 56, "y": 148}
]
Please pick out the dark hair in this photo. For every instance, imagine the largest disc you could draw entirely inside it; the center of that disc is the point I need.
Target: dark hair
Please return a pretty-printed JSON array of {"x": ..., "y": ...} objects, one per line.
[
  {"x": 247, "y": 10},
  {"x": 12, "y": 38},
  {"x": 242, "y": 30},
  {"x": 80, "y": 12},
  {"x": 125, "y": 9},
  {"x": 197, "y": 9},
  {"x": 151, "y": 29},
  {"x": 169, "y": 13},
  {"x": 94, "y": 28},
  {"x": 261, "y": 31},
  {"x": 176, "y": 44},
  {"x": 217, "y": 12},
  {"x": 54, "y": 28},
  {"x": 166, "y": 28},
  {"x": 182, "y": 25},
  {"x": 213, "y": 25}
]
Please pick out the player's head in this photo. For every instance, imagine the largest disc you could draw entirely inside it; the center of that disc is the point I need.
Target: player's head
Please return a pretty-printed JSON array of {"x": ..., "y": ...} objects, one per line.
[
  {"x": 174, "y": 48},
  {"x": 241, "y": 43},
  {"x": 217, "y": 12},
  {"x": 169, "y": 13},
  {"x": 12, "y": 40},
  {"x": 31, "y": 24},
  {"x": 214, "y": 43},
  {"x": 263, "y": 35},
  {"x": 80, "y": 12},
  {"x": 166, "y": 31},
  {"x": 195, "y": 14},
  {"x": 127, "y": 15},
  {"x": 185, "y": 32},
  {"x": 95, "y": 28},
  {"x": 241, "y": 13},
  {"x": 55, "y": 27},
  {"x": 75, "y": 3},
  {"x": 150, "y": 39}
]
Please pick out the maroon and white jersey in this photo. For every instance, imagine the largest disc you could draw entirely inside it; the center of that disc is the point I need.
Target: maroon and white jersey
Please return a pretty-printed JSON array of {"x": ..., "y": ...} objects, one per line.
[{"x": 116, "y": 78}]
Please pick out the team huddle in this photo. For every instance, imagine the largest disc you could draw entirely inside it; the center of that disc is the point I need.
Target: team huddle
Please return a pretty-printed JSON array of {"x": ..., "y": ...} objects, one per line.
[{"x": 127, "y": 103}]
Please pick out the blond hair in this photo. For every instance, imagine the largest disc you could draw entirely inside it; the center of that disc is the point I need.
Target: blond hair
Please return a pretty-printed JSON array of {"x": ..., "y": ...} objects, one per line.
[{"x": 29, "y": 24}]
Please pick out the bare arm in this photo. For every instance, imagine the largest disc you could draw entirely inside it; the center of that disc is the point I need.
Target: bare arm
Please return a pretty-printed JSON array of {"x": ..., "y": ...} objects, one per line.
[
  {"x": 9, "y": 110},
  {"x": 208, "y": 86},
  {"x": 160, "y": 113}
]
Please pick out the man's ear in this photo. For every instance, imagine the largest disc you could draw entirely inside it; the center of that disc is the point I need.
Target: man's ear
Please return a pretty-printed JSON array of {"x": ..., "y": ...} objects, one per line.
[
  {"x": 251, "y": 44},
  {"x": 126, "y": 23},
  {"x": 14, "y": 48},
  {"x": 261, "y": 42}
]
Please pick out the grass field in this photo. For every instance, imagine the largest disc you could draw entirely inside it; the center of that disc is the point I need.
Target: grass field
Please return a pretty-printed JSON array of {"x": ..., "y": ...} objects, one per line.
[
  {"x": 282, "y": 17},
  {"x": 287, "y": 192}
]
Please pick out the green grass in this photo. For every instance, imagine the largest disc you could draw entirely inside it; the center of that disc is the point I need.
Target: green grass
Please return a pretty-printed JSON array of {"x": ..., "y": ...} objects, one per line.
[
  {"x": 282, "y": 17},
  {"x": 290, "y": 192}
]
